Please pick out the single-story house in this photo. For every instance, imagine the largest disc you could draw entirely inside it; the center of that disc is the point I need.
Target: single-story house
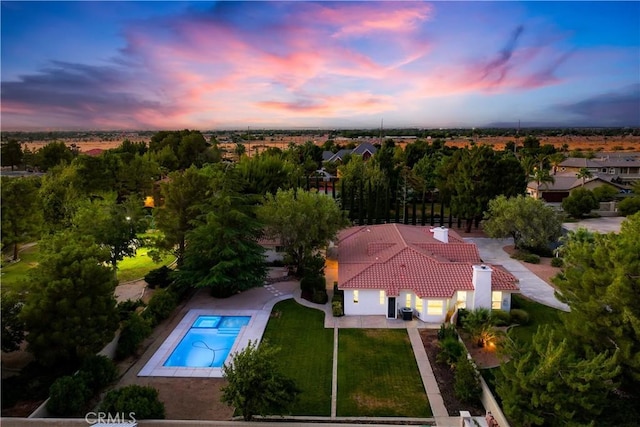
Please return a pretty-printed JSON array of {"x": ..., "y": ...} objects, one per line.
[
  {"x": 385, "y": 268},
  {"x": 564, "y": 184}
]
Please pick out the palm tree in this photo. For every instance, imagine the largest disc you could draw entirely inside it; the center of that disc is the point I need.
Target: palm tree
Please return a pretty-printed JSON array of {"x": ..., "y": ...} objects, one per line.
[
  {"x": 584, "y": 173},
  {"x": 556, "y": 159}
]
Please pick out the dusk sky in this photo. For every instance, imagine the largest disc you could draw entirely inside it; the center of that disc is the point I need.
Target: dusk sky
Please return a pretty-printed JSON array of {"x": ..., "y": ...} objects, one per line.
[{"x": 222, "y": 65}]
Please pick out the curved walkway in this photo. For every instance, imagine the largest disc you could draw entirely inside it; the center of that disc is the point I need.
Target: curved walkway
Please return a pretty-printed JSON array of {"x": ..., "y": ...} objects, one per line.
[{"x": 531, "y": 285}]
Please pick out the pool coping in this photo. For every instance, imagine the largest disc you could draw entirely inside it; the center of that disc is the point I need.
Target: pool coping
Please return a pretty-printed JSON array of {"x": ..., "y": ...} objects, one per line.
[{"x": 252, "y": 331}]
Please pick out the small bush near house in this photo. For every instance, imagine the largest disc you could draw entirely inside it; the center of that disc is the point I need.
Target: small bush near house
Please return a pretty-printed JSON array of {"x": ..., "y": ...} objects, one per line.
[
  {"x": 519, "y": 316},
  {"x": 160, "y": 306},
  {"x": 160, "y": 277},
  {"x": 500, "y": 317},
  {"x": 557, "y": 262},
  {"x": 447, "y": 331},
  {"x": 462, "y": 314},
  {"x": 141, "y": 400},
  {"x": 308, "y": 284},
  {"x": 134, "y": 331},
  {"x": 337, "y": 308},
  {"x": 467, "y": 386},
  {"x": 531, "y": 258},
  {"x": 320, "y": 296},
  {"x": 450, "y": 351},
  {"x": 68, "y": 396},
  {"x": 98, "y": 372}
]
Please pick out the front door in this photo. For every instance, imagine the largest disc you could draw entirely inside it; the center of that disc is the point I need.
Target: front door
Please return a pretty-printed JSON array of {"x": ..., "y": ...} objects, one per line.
[{"x": 392, "y": 313}]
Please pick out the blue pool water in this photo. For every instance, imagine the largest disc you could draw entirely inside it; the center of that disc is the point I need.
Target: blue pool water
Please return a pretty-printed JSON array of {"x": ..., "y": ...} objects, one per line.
[{"x": 208, "y": 342}]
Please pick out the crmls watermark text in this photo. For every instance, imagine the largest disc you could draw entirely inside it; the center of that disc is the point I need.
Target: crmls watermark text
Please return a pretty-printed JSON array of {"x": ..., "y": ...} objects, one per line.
[{"x": 106, "y": 417}]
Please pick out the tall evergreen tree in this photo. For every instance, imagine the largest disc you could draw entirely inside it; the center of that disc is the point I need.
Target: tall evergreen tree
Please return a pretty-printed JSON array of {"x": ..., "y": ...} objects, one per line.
[{"x": 21, "y": 216}]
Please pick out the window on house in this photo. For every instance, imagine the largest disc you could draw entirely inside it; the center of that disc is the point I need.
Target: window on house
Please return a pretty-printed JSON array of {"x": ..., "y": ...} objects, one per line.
[
  {"x": 434, "y": 307},
  {"x": 496, "y": 300},
  {"x": 419, "y": 305},
  {"x": 603, "y": 170},
  {"x": 355, "y": 297},
  {"x": 612, "y": 171},
  {"x": 624, "y": 171},
  {"x": 381, "y": 297},
  {"x": 462, "y": 299},
  {"x": 407, "y": 301}
]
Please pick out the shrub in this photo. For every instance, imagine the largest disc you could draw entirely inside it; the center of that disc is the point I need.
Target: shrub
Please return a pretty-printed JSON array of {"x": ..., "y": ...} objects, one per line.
[
  {"x": 531, "y": 258},
  {"x": 480, "y": 325},
  {"x": 450, "y": 350},
  {"x": 68, "y": 396},
  {"x": 320, "y": 296},
  {"x": 466, "y": 386},
  {"x": 98, "y": 372},
  {"x": 309, "y": 284},
  {"x": 160, "y": 306},
  {"x": 462, "y": 314},
  {"x": 629, "y": 206},
  {"x": 519, "y": 316},
  {"x": 141, "y": 400},
  {"x": 126, "y": 308},
  {"x": 500, "y": 317},
  {"x": 160, "y": 277},
  {"x": 134, "y": 331},
  {"x": 580, "y": 202},
  {"x": 557, "y": 262},
  {"x": 337, "y": 308},
  {"x": 447, "y": 331}
]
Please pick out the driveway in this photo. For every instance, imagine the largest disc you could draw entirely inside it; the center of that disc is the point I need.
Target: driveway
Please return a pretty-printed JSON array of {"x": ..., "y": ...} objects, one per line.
[
  {"x": 531, "y": 285},
  {"x": 599, "y": 225}
]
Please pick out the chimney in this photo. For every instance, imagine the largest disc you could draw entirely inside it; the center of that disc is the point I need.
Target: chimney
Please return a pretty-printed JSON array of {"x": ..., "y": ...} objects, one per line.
[
  {"x": 441, "y": 234},
  {"x": 482, "y": 286}
]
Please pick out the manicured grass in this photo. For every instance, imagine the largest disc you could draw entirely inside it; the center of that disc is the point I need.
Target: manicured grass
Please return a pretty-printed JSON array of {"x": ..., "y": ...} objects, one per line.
[
  {"x": 306, "y": 354},
  {"x": 539, "y": 314},
  {"x": 378, "y": 375},
  {"x": 14, "y": 273},
  {"x": 132, "y": 268}
]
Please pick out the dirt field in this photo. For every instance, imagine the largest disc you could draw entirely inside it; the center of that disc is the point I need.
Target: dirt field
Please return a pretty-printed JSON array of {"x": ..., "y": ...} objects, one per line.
[{"x": 595, "y": 143}]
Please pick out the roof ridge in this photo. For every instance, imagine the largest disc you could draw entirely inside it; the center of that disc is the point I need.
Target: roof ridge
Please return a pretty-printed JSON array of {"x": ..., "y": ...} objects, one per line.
[{"x": 395, "y": 227}]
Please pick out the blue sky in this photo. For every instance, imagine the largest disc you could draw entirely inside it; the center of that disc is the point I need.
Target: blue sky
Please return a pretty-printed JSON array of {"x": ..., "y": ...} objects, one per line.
[{"x": 218, "y": 65}]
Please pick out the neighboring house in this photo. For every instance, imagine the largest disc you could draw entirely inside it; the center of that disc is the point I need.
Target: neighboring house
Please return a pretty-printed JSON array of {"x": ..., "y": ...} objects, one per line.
[
  {"x": 365, "y": 149},
  {"x": 384, "y": 268},
  {"x": 622, "y": 168},
  {"x": 555, "y": 192}
]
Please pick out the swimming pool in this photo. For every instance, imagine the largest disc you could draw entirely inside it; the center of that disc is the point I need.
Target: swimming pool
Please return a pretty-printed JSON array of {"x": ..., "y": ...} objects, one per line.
[{"x": 208, "y": 342}]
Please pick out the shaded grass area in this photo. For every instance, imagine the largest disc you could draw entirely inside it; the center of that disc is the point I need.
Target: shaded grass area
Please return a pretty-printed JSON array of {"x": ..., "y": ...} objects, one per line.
[
  {"x": 136, "y": 267},
  {"x": 378, "y": 375},
  {"x": 13, "y": 273},
  {"x": 539, "y": 314},
  {"x": 306, "y": 354}
]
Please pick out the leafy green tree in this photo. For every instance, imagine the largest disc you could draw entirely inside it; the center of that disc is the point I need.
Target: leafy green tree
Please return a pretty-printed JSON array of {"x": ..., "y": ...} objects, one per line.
[
  {"x": 466, "y": 384},
  {"x": 11, "y": 153},
  {"x": 59, "y": 198},
  {"x": 111, "y": 224},
  {"x": 240, "y": 149},
  {"x": 183, "y": 193},
  {"x": 52, "y": 155},
  {"x": 70, "y": 311},
  {"x": 255, "y": 384},
  {"x": 266, "y": 173},
  {"x": 223, "y": 253},
  {"x": 629, "y": 206},
  {"x": 179, "y": 149},
  {"x": 21, "y": 216},
  {"x": 580, "y": 202},
  {"x": 605, "y": 193},
  {"x": 68, "y": 396},
  {"x": 13, "y": 332},
  {"x": 303, "y": 221},
  {"x": 532, "y": 224},
  {"x": 600, "y": 283},
  {"x": 546, "y": 382}
]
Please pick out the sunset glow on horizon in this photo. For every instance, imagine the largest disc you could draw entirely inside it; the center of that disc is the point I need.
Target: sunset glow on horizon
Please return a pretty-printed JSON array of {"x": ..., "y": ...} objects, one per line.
[{"x": 222, "y": 65}]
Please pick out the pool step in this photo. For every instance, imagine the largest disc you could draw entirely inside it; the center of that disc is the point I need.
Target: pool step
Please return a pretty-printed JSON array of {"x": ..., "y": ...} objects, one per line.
[{"x": 228, "y": 331}]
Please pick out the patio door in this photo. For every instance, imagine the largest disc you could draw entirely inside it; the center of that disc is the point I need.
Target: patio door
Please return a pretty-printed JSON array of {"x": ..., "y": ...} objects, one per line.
[{"x": 392, "y": 313}]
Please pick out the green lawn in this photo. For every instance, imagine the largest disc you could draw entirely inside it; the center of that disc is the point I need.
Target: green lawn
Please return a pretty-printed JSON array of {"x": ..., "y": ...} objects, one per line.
[
  {"x": 539, "y": 314},
  {"x": 306, "y": 354},
  {"x": 136, "y": 267},
  {"x": 378, "y": 375},
  {"x": 13, "y": 273}
]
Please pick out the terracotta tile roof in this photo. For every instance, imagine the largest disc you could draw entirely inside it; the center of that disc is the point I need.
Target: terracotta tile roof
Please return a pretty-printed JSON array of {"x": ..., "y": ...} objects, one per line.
[{"x": 393, "y": 257}]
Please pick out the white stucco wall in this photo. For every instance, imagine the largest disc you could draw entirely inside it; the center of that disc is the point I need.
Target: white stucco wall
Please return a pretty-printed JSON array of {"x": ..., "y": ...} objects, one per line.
[
  {"x": 482, "y": 287},
  {"x": 368, "y": 303}
]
